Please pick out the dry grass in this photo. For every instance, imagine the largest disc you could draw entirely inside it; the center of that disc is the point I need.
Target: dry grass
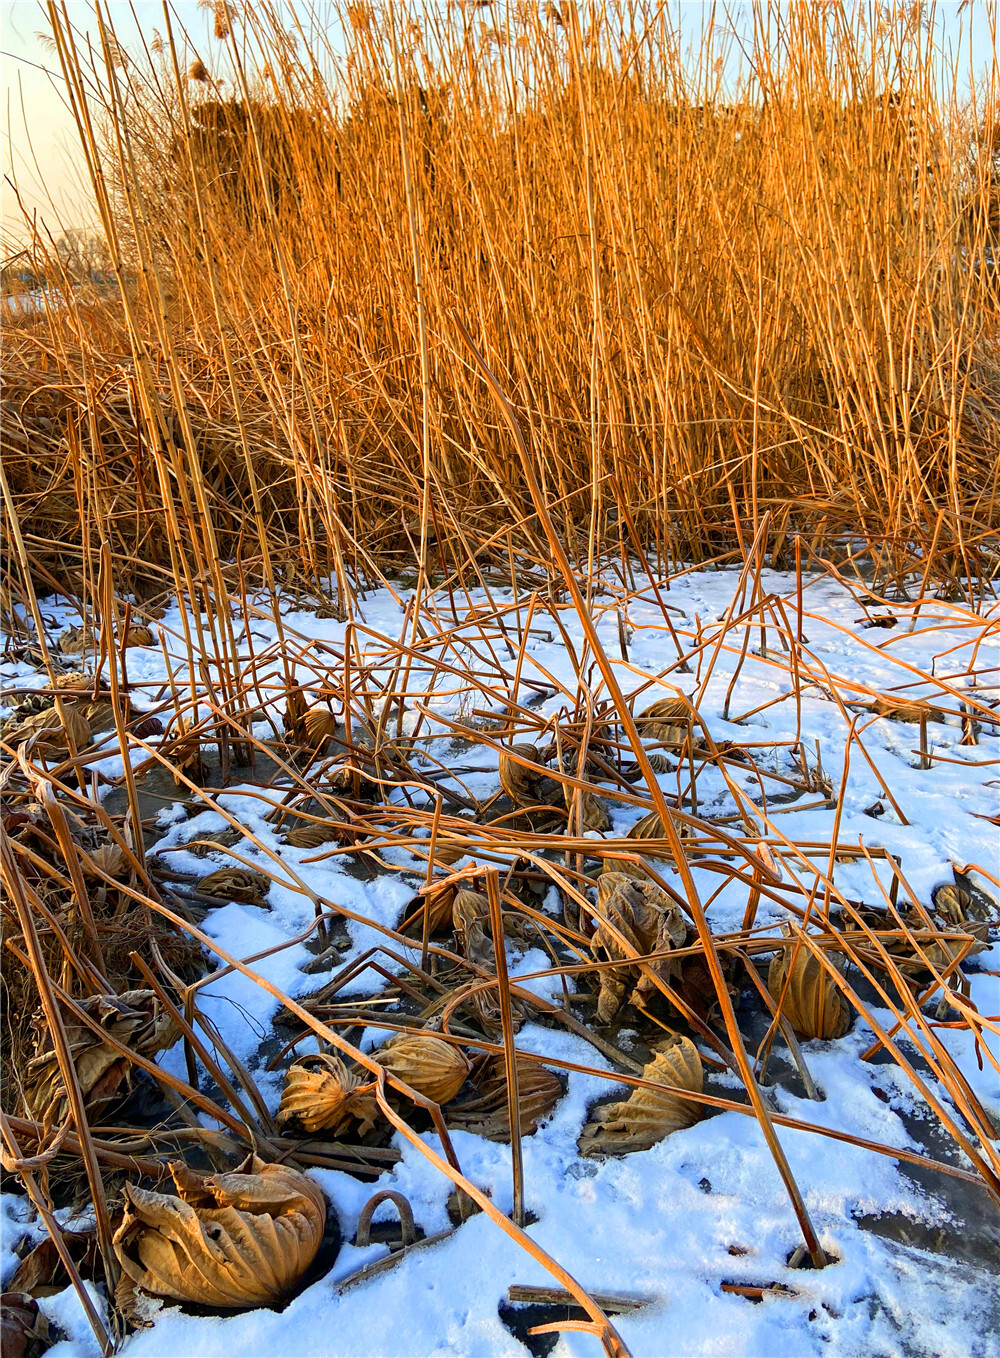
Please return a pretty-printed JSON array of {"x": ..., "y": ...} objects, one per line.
[{"x": 743, "y": 281}]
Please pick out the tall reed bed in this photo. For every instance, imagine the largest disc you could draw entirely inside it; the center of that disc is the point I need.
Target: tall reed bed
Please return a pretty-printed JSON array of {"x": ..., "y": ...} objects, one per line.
[{"x": 718, "y": 273}]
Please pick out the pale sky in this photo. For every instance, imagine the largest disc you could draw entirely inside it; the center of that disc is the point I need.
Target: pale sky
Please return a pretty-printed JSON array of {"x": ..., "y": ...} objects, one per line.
[{"x": 39, "y": 141}]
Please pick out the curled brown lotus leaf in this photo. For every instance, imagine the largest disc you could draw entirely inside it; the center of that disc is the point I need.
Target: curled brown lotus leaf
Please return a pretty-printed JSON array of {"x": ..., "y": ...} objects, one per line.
[
  {"x": 148, "y": 726},
  {"x": 659, "y": 763},
  {"x": 469, "y": 908},
  {"x": 106, "y": 858},
  {"x": 51, "y": 732},
  {"x": 426, "y": 1063},
  {"x": 646, "y": 917},
  {"x": 526, "y": 786},
  {"x": 77, "y": 640},
  {"x": 138, "y": 635},
  {"x": 295, "y": 710},
  {"x": 952, "y": 903},
  {"x": 136, "y": 1018},
  {"x": 488, "y": 1114},
  {"x": 813, "y": 1005},
  {"x": 100, "y": 712},
  {"x": 232, "y": 1241},
  {"x": 910, "y": 713},
  {"x": 72, "y": 681},
  {"x": 651, "y": 827},
  {"x": 236, "y": 884},
  {"x": 311, "y": 836},
  {"x": 648, "y": 1115},
  {"x": 668, "y": 721},
  {"x": 24, "y": 1328},
  {"x": 322, "y": 1094},
  {"x": 319, "y": 725},
  {"x": 438, "y": 901},
  {"x": 594, "y": 813}
]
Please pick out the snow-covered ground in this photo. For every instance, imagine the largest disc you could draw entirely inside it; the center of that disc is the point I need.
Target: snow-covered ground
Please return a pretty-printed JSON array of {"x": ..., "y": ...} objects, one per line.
[{"x": 706, "y": 1206}]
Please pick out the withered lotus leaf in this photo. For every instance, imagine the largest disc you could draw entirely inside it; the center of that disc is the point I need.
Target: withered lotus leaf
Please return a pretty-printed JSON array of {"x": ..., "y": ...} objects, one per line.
[
  {"x": 426, "y": 1063},
  {"x": 525, "y": 786},
  {"x": 76, "y": 640},
  {"x": 107, "y": 858},
  {"x": 651, "y": 827},
  {"x": 136, "y": 1018},
  {"x": 73, "y": 680},
  {"x": 439, "y": 902},
  {"x": 236, "y": 884},
  {"x": 138, "y": 635},
  {"x": 319, "y": 725},
  {"x": 910, "y": 713},
  {"x": 813, "y": 1005},
  {"x": 649, "y": 921},
  {"x": 668, "y": 720},
  {"x": 311, "y": 836},
  {"x": 25, "y": 1329},
  {"x": 469, "y": 908},
  {"x": 954, "y": 904},
  {"x": 322, "y": 1094},
  {"x": 51, "y": 732},
  {"x": 488, "y": 1114},
  {"x": 232, "y": 1241},
  {"x": 648, "y": 1115},
  {"x": 594, "y": 814}
]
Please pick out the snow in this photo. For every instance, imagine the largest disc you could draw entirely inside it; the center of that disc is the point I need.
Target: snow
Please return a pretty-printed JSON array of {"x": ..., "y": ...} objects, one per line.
[{"x": 706, "y": 1205}]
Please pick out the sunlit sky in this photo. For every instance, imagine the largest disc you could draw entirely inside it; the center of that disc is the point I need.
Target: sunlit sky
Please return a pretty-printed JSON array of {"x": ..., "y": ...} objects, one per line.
[{"x": 40, "y": 149}]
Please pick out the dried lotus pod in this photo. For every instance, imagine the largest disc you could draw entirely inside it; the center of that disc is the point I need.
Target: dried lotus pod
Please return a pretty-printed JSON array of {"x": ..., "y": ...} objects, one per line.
[
  {"x": 136, "y": 1018},
  {"x": 51, "y": 733},
  {"x": 77, "y": 640},
  {"x": 645, "y": 916},
  {"x": 312, "y": 835},
  {"x": 813, "y": 1004},
  {"x": 108, "y": 858},
  {"x": 426, "y": 1063},
  {"x": 236, "y": 884},
  {"x": 321, "y": 1094},
  {"x": 668, "y": 721},
  {"x": 138, "y": 635},
  {"x": 648, "y": 1115},
  {"x": 526, "y": 786},
  {"x": 231, "y": 1241},
  {"x": 487, "y": 1113},
  {"x": 319, "y": 725},
  {"x": 952, "y": 903}
]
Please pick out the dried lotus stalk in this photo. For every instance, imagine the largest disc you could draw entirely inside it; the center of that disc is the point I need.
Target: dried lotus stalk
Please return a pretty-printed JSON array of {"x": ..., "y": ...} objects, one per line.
[
  {"x": 649, "y": 921},
  {"x": 311, "y": 836},
  {"x": 236, "y": 884},
  {"x": 231, "y": 1241},
  {"x": 648, "y": 1115},
  {"x": 321, "y": 1094},
  {"x": 426, "y": 1063},
  {"x": 487, "y": 1114},
  {"x": 106, "y": 857},
  {"x": 52, "y": 733},
  {"x": 813, "y": 1005},
  {"x": 524, "y": 786},
  {"x": 135, "y": 1018},
  {"x": 668, "y": 721}
]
